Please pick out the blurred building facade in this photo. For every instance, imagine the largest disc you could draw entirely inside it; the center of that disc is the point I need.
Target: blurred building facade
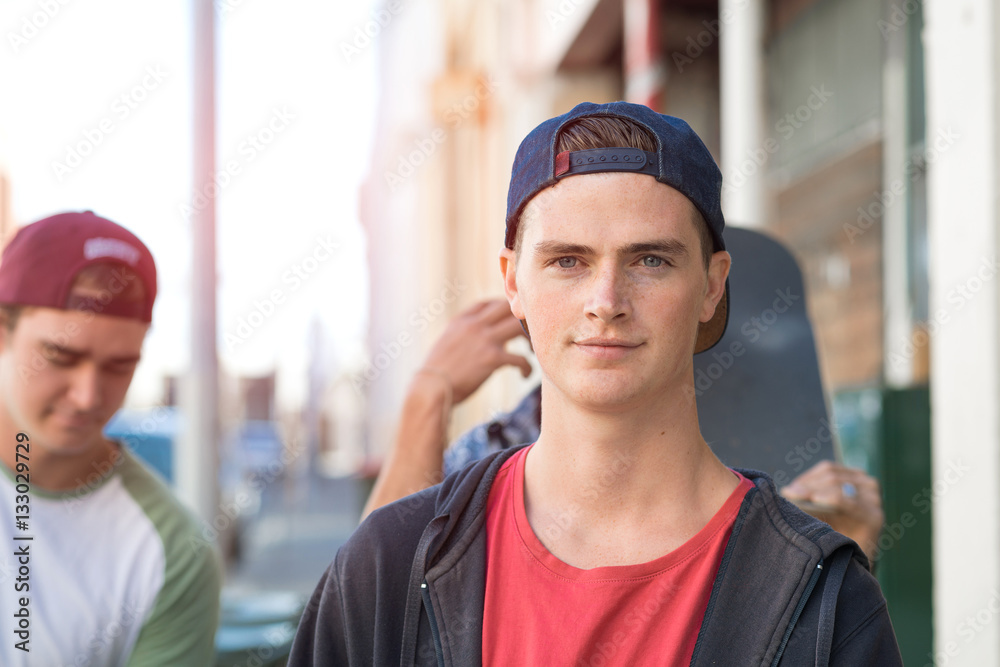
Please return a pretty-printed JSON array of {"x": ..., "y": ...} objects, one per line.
[
  {"x": 817, "y": 112},
  {"x": 488, "y": 72}
]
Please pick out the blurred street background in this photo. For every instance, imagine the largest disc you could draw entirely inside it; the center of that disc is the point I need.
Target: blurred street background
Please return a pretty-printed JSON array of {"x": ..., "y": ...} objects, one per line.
[{"x": 323, "y": 186}]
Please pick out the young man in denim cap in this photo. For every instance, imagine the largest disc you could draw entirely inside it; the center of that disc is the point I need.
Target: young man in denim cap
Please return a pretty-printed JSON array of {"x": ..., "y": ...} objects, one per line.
[
  {"x": 99, "y": 565},
  {"x": 617, "y": 538}
]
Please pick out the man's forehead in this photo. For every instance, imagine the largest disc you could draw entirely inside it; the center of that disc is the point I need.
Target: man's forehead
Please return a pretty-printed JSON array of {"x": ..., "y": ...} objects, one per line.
[
  {"x": 55, "y": 324},
  {"x": 578, "y": 215}
]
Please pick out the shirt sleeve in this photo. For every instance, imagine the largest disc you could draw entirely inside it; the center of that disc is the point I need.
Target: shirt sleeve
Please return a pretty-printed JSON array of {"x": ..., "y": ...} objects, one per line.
[
  {"x": 520, "y": 426},
  {"x": 181, "y": 628},
  {"x": 470, "y": 446}
]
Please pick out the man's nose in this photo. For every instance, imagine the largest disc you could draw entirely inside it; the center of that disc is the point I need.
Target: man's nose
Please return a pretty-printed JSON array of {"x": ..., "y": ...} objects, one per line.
[
  {"x": 608, "y": 298},
  {"x": 85, "y": 388}
]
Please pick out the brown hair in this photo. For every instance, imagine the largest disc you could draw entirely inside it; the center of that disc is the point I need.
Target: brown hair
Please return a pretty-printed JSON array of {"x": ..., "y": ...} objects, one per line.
[{"x": 614, "y": 132}]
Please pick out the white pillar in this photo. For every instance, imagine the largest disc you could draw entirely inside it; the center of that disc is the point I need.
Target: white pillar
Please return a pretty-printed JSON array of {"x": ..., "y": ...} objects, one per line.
[
  {"x": 964, "y": 178},
  {"x": 898, "y": 367},
  {"x": 741, "y": 112},
  {"x": 197, "y": 449}
]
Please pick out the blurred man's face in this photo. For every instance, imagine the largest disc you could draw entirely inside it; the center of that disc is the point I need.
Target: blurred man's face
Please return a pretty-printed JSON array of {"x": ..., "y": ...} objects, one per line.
[
  {"x": 63, "y": 374},
  {"x": 612, "y": 284}
]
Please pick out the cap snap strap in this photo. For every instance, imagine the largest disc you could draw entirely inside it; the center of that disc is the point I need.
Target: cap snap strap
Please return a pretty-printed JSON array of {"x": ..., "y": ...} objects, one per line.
[{"x": 606, "y": 159}]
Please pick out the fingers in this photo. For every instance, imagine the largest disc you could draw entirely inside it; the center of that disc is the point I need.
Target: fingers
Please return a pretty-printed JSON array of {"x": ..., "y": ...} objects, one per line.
[
  {"x": 508, "y": 359},
  {"x": 489, "y": 311},
  {"x": 477, "y": 307},
  {"x": 827, "y": 478},
  {"x": 507, "y": 329},
  {"x": 471, "y": 347},
  {"x": 852, "y": 499}
]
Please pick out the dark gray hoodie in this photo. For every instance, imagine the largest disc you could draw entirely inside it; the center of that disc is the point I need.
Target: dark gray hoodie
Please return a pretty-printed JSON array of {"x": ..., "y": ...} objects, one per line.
[{"x": 408, "y": 587}]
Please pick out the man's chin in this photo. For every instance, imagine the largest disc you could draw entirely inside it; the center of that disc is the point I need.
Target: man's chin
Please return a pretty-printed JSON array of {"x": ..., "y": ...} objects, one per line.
[
  {"x": 603, "y": 394},
  {"x": 65, "y": 441}
]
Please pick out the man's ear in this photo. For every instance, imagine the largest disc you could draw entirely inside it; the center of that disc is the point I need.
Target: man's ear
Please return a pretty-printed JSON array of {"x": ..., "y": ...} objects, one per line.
[
  {"x": 5, "y": 331},
  {"x": 508, "y": 269},
  {"x": 718, "y": 271}
]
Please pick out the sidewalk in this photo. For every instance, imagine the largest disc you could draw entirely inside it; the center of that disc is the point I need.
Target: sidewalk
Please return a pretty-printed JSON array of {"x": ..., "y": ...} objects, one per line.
[{"x": 302, "y": 522}]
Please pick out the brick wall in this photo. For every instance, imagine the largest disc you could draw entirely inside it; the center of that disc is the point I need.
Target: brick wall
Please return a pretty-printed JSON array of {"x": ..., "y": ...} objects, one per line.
[{"x": 816, "y": 217}]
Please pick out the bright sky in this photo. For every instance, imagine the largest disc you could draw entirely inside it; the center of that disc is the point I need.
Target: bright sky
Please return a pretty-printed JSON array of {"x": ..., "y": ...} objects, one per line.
[{"x": 112, "y": 79}]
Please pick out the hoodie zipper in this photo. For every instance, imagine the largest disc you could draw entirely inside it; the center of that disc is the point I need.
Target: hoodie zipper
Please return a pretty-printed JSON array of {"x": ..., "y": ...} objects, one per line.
[
  {"x": 439, "y": 652},
  {"x": 798, "y": 610}
]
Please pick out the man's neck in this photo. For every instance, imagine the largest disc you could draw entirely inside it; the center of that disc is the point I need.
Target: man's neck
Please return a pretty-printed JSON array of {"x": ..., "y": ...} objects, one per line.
[
  {"x": 624, "y": 487},
  {"x": 57, "y": 472}
]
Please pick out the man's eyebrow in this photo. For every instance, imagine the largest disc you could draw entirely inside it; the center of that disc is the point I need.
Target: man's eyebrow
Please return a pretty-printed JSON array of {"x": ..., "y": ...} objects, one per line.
[
  {"x": 130, "y": 359},
  {"x": 62, "y": 349},
  {"x": 664, "y": 246},
  {"x": 562, "y": 248}
]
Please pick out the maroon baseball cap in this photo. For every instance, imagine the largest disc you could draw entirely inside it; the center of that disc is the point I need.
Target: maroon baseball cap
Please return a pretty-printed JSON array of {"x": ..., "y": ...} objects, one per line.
[{"x": 43, "y": 259}]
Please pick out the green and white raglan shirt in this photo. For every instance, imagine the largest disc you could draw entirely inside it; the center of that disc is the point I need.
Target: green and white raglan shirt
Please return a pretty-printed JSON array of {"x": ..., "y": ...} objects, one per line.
[{"x": 117, "y": 574}]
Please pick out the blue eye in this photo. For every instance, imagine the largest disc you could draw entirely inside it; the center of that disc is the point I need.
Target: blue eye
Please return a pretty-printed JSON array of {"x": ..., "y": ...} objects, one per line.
[
  {"x": 652, "y": 261},
  {"x": 566, "y": 262}
]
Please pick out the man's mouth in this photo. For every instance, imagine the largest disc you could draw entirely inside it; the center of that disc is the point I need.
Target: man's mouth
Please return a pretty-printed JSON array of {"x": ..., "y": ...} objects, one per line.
[
  {"x": 607, "y": 348},
  {"x": 77, "y": 421}
]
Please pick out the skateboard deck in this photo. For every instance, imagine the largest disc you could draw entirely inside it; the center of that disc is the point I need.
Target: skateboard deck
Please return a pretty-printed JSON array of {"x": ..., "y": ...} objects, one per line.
[{"x": 760, "y": 399}]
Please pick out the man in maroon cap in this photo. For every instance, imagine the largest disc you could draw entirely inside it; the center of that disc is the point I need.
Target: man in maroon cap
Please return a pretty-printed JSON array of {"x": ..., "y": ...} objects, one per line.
[{"x": 98, "y": 565}]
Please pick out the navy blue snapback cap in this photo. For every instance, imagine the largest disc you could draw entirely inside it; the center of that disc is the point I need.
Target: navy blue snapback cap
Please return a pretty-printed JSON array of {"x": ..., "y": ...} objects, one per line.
[{"x": 681, "y": 161}]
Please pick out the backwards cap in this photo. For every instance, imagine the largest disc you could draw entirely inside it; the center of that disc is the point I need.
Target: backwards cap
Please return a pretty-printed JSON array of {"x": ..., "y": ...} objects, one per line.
[
  {"x": 43, "y": 259},
  {"x": 681, "y": 161}
]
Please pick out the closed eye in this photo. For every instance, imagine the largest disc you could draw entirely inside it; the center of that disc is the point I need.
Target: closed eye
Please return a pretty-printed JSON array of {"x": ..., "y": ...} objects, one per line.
[
  {"x": 58, "y": 356},
  {"x": 121, "y": 367}
]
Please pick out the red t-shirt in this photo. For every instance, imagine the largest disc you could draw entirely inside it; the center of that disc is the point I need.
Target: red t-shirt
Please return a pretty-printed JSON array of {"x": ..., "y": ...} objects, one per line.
[{"x": 541, "y": 611}]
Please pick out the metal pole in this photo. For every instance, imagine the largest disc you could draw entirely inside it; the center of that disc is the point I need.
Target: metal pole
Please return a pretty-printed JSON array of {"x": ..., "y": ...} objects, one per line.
[
  {"x": 644, "y": 76},
  {"x": 741, "y": 107},
  {"x": 198, "y": 451}
]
